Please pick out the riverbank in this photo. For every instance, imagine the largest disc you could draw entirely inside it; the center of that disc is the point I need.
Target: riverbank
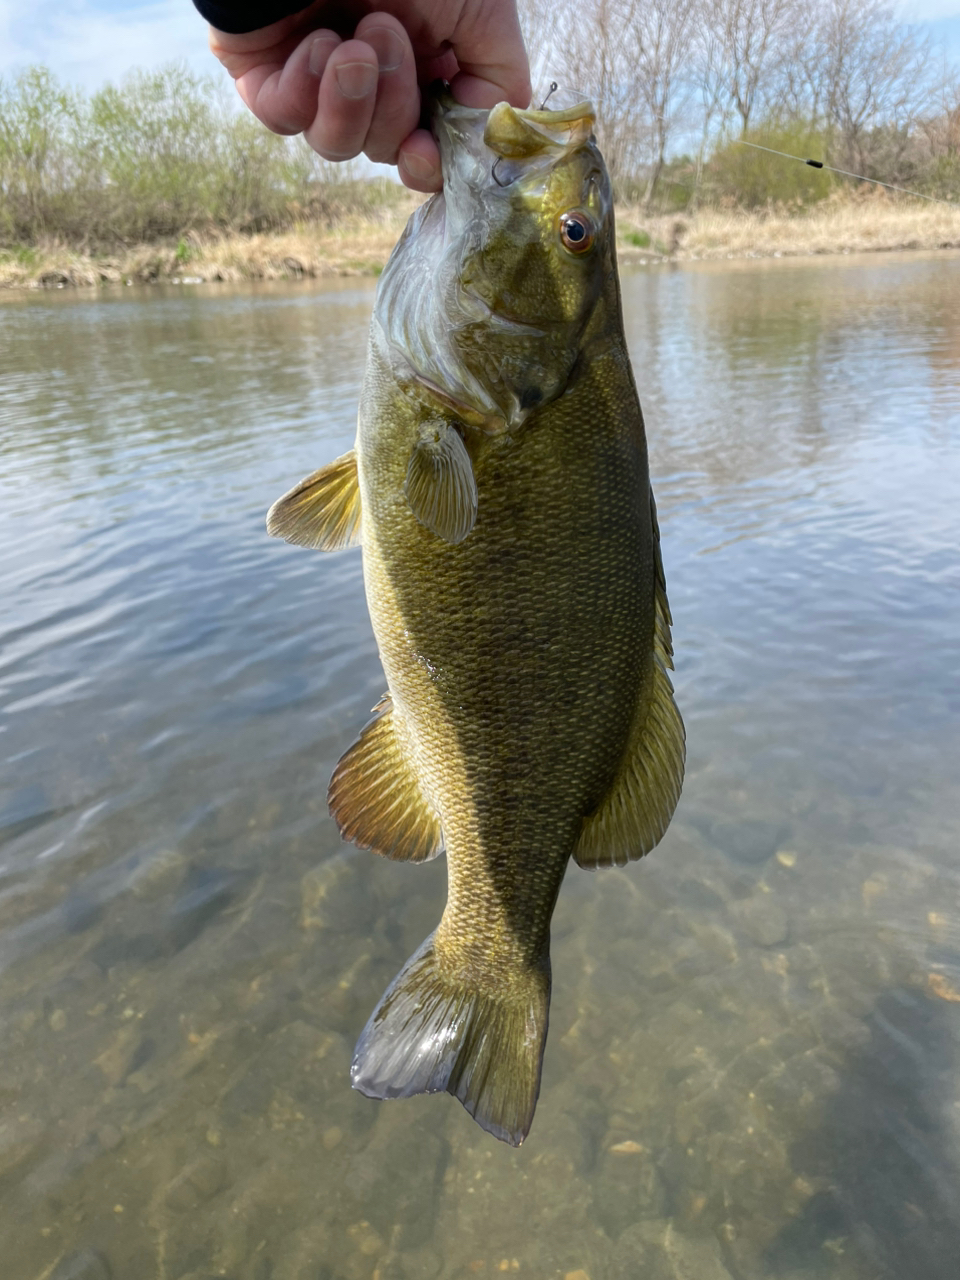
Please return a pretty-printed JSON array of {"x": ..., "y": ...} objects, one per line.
[
  {"x": 360, "y": 245},
  {"x": 872, "y": 224}
]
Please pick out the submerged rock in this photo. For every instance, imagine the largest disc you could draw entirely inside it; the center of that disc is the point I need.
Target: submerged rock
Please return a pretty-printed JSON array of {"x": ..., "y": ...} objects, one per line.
[
  {"x": 763, "y": 920},
  {"x": 333, "y": 897},
  {"x": 84, "y": 1264},
  {"x": 748, "y": 840},
  {"x": 198, "y": 1182},
  {"x": 162, "y": 873}
]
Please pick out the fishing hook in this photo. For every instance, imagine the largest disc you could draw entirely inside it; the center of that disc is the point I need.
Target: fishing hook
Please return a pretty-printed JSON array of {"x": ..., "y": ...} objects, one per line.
[{"x": 551, "y": 91}]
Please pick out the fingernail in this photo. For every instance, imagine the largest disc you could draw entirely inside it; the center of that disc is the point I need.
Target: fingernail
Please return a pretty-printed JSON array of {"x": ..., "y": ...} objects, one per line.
[
  {"x": 419, "y": 168},
  {"x": 320, "y": 52},
  {"x": 356, "y": 79},
  {"x": 387, "y": 45}
]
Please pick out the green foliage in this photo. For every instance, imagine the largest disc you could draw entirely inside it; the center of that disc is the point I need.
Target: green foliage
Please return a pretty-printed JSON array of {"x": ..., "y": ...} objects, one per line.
[
  {"x": 943, "y": 179},
  {"x": 22, "y": 254},
  {"x": 165, "y": 153},
  {"x": 741, "y": 175},
  {"x": 643, "y": 240},
  {"x": 38, "y": 122},
  {"x": 676, "y": 186}
]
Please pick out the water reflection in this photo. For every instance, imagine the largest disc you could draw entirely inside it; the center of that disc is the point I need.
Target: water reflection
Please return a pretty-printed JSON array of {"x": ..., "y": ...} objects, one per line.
[{"x": 752, "y": 1062}]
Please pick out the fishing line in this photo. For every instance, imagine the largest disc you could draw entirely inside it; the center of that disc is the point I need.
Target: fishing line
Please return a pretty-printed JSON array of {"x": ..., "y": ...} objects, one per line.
[{"x": 819, "y": 164}]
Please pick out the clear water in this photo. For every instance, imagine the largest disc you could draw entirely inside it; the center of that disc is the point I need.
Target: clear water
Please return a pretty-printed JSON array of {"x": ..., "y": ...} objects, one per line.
[{"x": 753, "y": 1067}]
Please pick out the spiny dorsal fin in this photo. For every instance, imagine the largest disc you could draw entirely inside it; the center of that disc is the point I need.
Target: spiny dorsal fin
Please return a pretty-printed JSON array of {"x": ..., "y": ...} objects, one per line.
[
  {"x": 323, "y": 510},
  {"x": 440, "y": 487},
  {"x": 375, "y": 797},
  {"x": 638, "y": 807}
]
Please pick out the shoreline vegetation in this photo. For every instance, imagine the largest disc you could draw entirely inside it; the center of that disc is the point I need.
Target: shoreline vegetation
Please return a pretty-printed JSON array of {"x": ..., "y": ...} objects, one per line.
[
  {"x": 358, "y": 244},
  {"x": 165, "y": 178}
]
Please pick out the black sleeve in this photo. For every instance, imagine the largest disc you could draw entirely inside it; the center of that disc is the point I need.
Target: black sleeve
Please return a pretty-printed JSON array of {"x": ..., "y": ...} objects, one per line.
[{"x": 246, "y": 15}]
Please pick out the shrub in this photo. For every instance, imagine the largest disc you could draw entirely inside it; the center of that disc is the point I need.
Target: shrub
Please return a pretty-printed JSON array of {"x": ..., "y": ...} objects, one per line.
[{"x": 742, "y": 175}]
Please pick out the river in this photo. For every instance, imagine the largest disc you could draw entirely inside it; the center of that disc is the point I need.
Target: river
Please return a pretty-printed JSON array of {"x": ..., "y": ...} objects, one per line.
[{"x": 753, "y": 1067}]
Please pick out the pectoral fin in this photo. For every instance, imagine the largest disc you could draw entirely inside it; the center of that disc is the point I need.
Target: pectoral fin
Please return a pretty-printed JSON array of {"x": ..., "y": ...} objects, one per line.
[
  {"x": 323, "y": 510},
  {"x": 375, "y": 797},
  {"x": 440, "y": 487},
  {"x": 638, "y": 807}
]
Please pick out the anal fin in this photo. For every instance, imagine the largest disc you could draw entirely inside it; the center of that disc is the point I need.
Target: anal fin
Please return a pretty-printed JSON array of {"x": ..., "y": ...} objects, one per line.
[
  {"x": 637, "y": 809},
  {"x": 322, "y": 511},
  {"x": 376, "y": 798}
]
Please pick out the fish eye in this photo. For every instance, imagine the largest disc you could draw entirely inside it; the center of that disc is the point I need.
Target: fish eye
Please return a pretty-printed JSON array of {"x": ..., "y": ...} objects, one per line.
[{"x": 577, "y": 232}]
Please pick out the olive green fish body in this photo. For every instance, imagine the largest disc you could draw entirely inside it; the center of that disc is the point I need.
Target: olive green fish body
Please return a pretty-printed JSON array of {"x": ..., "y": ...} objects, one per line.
[
  {"x": 511, "y": 561},
  {"x": 516, "y": 658}
]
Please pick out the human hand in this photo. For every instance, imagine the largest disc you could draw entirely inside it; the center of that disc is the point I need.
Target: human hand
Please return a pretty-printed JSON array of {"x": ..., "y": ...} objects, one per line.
[{"x": 351, "y": 85}]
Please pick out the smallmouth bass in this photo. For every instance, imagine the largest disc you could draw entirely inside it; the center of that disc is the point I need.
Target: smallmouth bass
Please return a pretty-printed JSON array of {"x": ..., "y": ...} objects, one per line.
[{"x": 500, "y": 491}]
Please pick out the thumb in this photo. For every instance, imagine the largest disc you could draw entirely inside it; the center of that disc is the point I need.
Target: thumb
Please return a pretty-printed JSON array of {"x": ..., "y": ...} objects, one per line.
[{"x": 488, "y": 45}]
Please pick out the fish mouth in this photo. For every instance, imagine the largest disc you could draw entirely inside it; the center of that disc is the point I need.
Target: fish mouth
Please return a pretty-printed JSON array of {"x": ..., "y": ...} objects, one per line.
[{"x": 509, "y": 133}]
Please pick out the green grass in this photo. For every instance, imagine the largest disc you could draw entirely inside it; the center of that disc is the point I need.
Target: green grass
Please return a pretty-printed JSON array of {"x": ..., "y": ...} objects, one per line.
[
  {"x": 22, "y": 254},
  {"x": 642, "y": 240}
]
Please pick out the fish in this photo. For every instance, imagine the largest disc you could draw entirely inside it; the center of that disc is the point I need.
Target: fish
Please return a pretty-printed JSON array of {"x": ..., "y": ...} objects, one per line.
[{"x": 499, "y": 488}]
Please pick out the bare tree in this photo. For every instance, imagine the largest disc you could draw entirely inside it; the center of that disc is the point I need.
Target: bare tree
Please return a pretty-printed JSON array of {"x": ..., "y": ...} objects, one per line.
[
  {"x": 799, "y": 90},
  {"x": 942, "y": 129},
  {"x": 542, "y": 34},
  {"x": 847, "y": 68},
  {"x": 663, "y": 36},
  {"x": 880, "y": 76},
  {"x": 605, "y": 61},
  {"x": 755, "y": 36},
  {"x": 708, "y": 77}
]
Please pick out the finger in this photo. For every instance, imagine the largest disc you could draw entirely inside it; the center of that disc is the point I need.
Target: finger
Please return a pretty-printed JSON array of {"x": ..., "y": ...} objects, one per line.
[
  {"x": 345, "y": 102},
  {"x": 285, "y": 99},
  {"x": 397, "y": 108},
  {"x": 419, "y": 162},
  {"x": 492, "y": 59}
]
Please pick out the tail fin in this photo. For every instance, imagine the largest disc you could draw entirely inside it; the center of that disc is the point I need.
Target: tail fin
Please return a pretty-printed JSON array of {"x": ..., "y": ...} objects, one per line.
[{"x": 429, "y": 1033}]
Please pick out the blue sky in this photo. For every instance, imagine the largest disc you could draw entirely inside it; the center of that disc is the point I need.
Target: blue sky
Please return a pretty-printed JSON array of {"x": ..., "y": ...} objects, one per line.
[{"x": 88, "y": 42}]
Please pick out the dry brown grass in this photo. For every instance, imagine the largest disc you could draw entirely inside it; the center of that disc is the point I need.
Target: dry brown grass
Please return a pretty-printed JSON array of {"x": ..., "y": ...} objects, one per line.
[
  {"x": 835, "y": 226},
  {"x": 358, "y": 245},
  {"x": 361, "y": 245}
]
